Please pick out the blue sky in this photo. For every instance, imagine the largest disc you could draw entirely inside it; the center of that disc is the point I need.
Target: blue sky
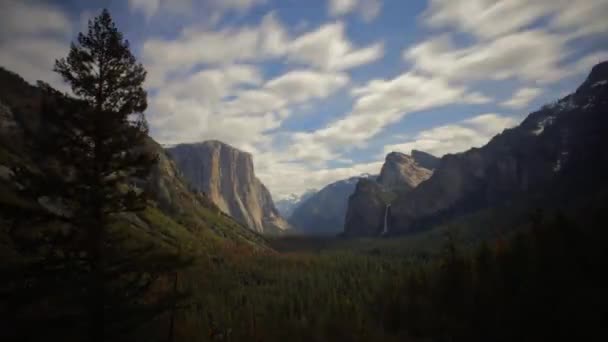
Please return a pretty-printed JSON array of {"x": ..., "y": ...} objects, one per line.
[{"x": 321, "y": 90}]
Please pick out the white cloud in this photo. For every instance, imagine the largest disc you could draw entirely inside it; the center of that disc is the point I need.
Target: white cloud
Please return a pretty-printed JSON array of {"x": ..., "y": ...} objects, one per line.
[
  {"x": 301, "y": 85},
  {"x": 584, "y": 65},
  {"x": 217, "y": 7},
  {"x": 368, "y": 9},
  {"x": 583, "y": 17},
  {"x": 185, "y": 120},
  {"x": 284, "y": 177},
  {"x": 194, "y": 47},
  {"x": 378, "y": 104},
  {"x": 490, "y": 18},
  {"x": 234, "y": 104},
  {"x": 459, "y": 137},
  {"x": 526, "y": 40},
  {"x": 239, "y": 5},
  {"x": 490, "y": 124},
  {"x": 530, "y": 55},
  {"x": 207, "y": 86},
  {"x": 148, "y": 7},
  {"x": 280, "y": 94},
  {"x": 329, "y": 48},
  {"x": 40, "y": 19},
  {"x": 341, "y": 7},
  {"x": 187, "y": 110},
  {"x": 486, "y": 18},
  {"x": 33, "y": 36},
  {"x": 326, "y": 48},
  {"x": 522, "y": 98}
]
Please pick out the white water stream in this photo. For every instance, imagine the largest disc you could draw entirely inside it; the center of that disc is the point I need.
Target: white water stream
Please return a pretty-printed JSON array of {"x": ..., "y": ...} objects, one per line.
[{"x": 385, "y": 229}]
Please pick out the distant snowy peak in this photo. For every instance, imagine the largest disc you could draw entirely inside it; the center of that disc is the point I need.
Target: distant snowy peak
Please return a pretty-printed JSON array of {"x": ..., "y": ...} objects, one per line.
[
  {"x": 292, "y": 198},
  {"x": 353, "y": 180},
  {"x": 287, "y": 205}
]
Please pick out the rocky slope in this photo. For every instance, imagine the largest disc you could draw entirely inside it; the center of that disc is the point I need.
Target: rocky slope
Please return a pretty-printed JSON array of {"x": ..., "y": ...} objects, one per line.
[
  {"x": 323, "y": 213},
  {"x": 226, "y": 176},
  {"x": 367, "y": 206},
  {"x": 552, "y": 155},
  {"x": 175, "y": 213},
  {"x": 426, "y": 160},
  {"x": 401, "y": 173}
]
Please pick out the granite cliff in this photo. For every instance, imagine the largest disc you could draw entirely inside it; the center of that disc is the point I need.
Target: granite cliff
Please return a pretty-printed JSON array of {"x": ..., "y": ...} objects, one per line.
[
  {"x": 368, "y": 205},
  {"x": 226, "y": 176},
  {"x": 401, "y": 173}
]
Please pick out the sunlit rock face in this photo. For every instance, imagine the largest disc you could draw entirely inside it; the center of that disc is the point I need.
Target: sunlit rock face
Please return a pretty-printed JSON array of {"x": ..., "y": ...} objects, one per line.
[
  {"x": 226, "y": 176},
  {"x": 400, "y": 174}
]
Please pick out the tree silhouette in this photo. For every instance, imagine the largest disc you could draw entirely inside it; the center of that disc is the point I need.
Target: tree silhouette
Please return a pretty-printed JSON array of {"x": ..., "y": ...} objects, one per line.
[
  {"x": 103, "y": 136},
  {"x": 87, "y": 173}
]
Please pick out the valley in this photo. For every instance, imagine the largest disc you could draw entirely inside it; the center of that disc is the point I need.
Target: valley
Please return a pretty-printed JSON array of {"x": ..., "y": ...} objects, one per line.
[{"x": 118, "y": 224}]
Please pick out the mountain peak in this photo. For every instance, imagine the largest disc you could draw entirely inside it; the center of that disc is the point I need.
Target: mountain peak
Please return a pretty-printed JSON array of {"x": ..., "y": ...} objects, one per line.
[
  {"x": 599, "y": 71},
  {"x": 402, "y": 171},
  {"x": 597, "y": 77},
  {"x": 220, "y": 144},
  {"x": 398, "y": 157}
]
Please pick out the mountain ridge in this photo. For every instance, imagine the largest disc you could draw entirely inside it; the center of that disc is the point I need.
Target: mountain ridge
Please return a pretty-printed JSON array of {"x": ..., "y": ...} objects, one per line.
[{"x": 549, "y": 149}]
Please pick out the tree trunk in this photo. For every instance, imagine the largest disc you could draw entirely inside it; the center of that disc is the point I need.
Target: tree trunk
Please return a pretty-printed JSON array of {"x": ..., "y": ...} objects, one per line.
[
  {"x": 173, "y": 309},
  {"x": 97, "y": 284}
]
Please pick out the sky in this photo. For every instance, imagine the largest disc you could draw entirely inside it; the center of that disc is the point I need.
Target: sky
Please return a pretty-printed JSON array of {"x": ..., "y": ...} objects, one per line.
[{"x": 322, "y": 90}]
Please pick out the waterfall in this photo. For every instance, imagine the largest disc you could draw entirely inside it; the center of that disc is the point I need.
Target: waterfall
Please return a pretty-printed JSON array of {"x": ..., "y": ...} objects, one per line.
[{"x": 385, "y": 229}]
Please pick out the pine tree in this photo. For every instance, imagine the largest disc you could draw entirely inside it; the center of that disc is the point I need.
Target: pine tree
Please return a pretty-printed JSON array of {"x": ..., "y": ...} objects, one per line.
[
  {"x": 104, "y": 136},
  {"x": 90, "y": 162}
]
